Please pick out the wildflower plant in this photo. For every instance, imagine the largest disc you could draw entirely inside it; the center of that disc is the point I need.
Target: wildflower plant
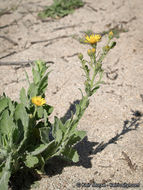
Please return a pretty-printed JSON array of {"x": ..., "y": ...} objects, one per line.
[
  {"x": 61, "y": 8},
  {"x": 27, "y": 138}
]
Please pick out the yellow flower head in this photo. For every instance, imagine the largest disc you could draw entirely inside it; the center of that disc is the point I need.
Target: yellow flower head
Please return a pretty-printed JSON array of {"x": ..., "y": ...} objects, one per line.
[
  {"x": 92, "y": 39},
  {"x": 38, "y": 101}
]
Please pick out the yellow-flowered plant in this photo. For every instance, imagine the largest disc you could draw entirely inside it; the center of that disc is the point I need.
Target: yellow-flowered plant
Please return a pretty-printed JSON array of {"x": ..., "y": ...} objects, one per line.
[
  {"x": 28, "y": 140},
  {"x": 93, "y": 67}
]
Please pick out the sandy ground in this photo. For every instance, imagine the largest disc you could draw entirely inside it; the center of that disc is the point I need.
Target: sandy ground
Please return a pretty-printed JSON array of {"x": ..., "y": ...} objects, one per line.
[{"x": 112, "y": 152}]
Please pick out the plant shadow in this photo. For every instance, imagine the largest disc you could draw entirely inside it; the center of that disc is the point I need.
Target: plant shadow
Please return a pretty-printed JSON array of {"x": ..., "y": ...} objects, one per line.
[
  {"x": 71, "y": 110},
  {"x": 129, "y": 125}
]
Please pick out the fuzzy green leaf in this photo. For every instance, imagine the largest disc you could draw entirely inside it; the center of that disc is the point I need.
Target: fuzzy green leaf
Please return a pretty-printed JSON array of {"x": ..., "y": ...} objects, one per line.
[
  {"x": 44, "y": 134},
  {"x": 71, "y": 154},
  {"x": 57, "y": 132},
  {"x": 21, "y": 114},
  {"x": 43, "y": 83},
  {"x": 76, "y": 137},
  {"x": 41, "y": 67},
  {"x": 6, "y": 123},
  {"x": 95, "y": 89},
  {"x": 11, "y": 106},
  {"x": 3, "y": 103},
  {"x": 40, "y": 112},
  {"x": 41, "y": 148},
  {"x": 36, "y": 76},
  {"x": 23, "y": 98},
  {"x": 6, "y": 173},
  {"x": 22, "y": 119},
  {"x": 31, "y": 161},
  {"x": 33, "y": 90},
  {"x": 49, "y": 109}
]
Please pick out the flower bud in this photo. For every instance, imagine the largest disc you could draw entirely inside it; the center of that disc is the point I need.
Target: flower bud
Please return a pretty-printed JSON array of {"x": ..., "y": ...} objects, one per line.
[
  {"x": 106, "y": 48},
  {"x": 91, "y": 52},
  {"x": 110, "y": 35},
  {"x": 80, "y": 56}
]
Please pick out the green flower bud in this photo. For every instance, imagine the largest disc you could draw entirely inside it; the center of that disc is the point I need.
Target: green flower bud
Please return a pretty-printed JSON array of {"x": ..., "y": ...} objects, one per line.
[
  {"x": 80, "y": 56},
  {"x": 106, "y": 48},
  {"x": 110, "y": 35},
  {"x": 91, "y": 52}
]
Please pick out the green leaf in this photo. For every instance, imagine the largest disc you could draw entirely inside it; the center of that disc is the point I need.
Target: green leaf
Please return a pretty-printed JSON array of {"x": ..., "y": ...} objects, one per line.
[
  {"x": 41, "y": 148},
  {"x": 3, "y": 155},
  {"x": 62, "y": 126},
  {"x": 21, "y": 114},
  {"x": 45, "y": 118},
  {"x": 6, "y": 123},
  {"x": 23, "y": 98},
  {"x": 44, "y": 134},
  {"x": 43, "y": 83},
  {"x": 36, "y": 76},
  {"x": 67, "y": 124},
  {"x": 41, "y": 164},
  {"x": 11, "y": 106},
  {"x": 27, "y": 77},
  {"x": 50, "y": 150},
  {"x": 31, "y": 161},
  {"x": 41, "y": 67},
  {"x": 76, "y": 137},
  {"x": 57, "y": 132},
  {"x": 80, "y": 134},
  {"x": 78, "y": 109},
  {"x": 3, "y": 103},
  {"x": 95, "y": 89},
  {"x": 6, "y": 173},
  {"x": 22, "y": 119},
  {"x": 33, "y": 90},
  {"x": 71, "y": 154},
  {"x": 40, "y": 112},
  {"x": 49, "y": 109}
]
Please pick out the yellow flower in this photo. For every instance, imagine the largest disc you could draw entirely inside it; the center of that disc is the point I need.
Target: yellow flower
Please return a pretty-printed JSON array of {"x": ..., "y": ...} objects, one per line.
[
  {"x": 92, "y": 39},
  {"x": 38, "y": 101}
]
